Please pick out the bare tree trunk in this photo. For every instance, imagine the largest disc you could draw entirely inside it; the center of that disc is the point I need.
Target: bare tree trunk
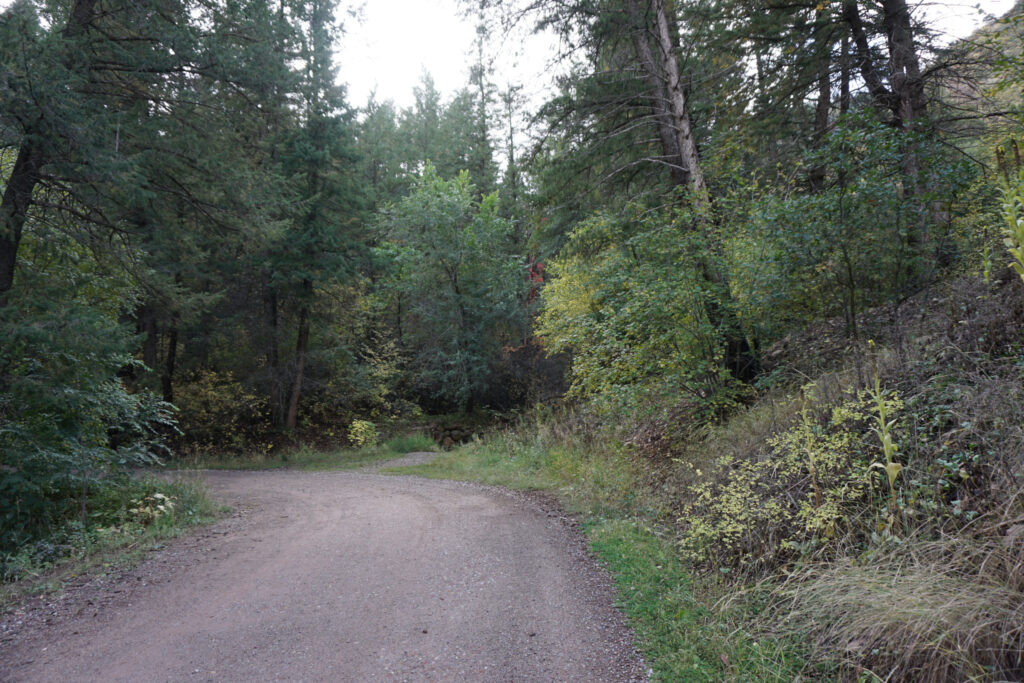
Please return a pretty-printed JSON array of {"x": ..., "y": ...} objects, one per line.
[
  {"x": 270, "y": 324},
  {"x": 882, "y": 96},
  {"x": 904, "y": 65},
  {"x": 844, "y": 75},
  {"x": 816, "y": 175},
  {"x": 14, "y": 210},
  {"x": 167, "y": 381},
  {"x": 678, "y": 106},
  {"x": 301, "y": 346},
  {"x": 659, "y": 97}
]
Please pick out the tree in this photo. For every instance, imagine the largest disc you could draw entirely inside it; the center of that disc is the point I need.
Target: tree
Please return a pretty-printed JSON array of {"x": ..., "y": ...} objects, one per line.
[{"x": 462, "y": 287}]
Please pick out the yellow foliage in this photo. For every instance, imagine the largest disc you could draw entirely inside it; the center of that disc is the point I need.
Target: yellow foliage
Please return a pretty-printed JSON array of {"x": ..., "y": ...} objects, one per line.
[
  {"x": 363, "y": 433},
  {"x": 805, "y": 489}
]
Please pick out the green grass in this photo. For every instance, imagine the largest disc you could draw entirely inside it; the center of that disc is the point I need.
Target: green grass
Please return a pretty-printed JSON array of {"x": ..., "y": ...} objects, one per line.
[
  {"x": 115, "y": 536},
  {"x": 682, "y": 637},
  {"x": 488, "y": 462},
  {"x": 307, "y": 458}
]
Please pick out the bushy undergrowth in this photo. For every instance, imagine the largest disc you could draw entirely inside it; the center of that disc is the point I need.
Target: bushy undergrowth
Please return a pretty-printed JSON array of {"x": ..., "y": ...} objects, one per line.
[
  {"x": 122, "y": 513},
  {"x": 884, "y": 506}
]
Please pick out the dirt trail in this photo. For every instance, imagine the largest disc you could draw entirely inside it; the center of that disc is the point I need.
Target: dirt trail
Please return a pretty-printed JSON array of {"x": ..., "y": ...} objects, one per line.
[{"x": 342, "y": 577}]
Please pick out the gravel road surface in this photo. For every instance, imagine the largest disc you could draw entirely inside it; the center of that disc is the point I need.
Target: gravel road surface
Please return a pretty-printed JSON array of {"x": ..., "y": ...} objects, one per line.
[{"x": 341, "y": 576}]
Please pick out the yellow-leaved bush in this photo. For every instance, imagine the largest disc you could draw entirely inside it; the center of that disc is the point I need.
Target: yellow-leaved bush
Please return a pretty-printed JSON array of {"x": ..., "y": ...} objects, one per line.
[
  {"x": 809, "y": 486},
  {"x": 363, "y": 433}
]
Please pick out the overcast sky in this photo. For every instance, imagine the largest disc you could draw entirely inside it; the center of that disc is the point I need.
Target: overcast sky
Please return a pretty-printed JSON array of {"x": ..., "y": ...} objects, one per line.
[{"x": 396, "y": 41}]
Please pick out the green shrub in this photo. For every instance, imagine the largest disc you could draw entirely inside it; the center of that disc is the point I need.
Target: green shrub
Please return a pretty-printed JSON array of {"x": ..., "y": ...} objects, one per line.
[
  {"x": 67, "y": 422},
  {"x": 809, "y": 486},
  {"x": 632, "y": 302},
  {"x": 363, "y": 433},
  {"x": 217, "y": 412}
]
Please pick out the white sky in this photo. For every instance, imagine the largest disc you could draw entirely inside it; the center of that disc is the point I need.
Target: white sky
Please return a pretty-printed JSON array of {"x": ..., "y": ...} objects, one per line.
[
  {"x": 398, "y": 40},
  {"x": 394, "y": 42}
]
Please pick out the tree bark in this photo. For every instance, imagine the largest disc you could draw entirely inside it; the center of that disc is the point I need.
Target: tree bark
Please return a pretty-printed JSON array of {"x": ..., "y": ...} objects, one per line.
[
  {"x": 14, "y": 208},
  {"x": 274, "y": 380},
  {"x": 844, "y": 75},
  {"x": 659, "y": 97},
  {"x": 167, "y": 380},
  {"x": 678, "y": 106},
  {"x": 816, "y": 175},
  {"x": 301, "y": 346},
  {"x": 880, "y": 94},
  {"x": 904, "y": 66}
]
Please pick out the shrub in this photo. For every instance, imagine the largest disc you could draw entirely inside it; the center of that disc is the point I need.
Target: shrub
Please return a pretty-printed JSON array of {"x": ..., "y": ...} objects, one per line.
[
  {"x": 363, "y": 433},
  {"x": 67, "y": 422},
  {"x": 807, "y": 487},
  {"x": 218, "y": 412}
]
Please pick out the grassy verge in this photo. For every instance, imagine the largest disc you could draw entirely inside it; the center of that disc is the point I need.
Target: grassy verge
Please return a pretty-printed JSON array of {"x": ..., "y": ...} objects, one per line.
[
  {"x": 124, "y": 523},
  {"x": 682, "y": 628},
  {"x": 308, "y": 458}
]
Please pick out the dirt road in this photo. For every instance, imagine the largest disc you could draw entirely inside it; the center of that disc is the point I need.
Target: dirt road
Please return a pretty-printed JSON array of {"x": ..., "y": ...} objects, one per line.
[{"x": 342, "y": 577}]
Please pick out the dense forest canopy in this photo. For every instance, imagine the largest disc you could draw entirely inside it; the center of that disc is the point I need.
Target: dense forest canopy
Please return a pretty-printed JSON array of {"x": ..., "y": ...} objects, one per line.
[{"x": 206, "y": 246}]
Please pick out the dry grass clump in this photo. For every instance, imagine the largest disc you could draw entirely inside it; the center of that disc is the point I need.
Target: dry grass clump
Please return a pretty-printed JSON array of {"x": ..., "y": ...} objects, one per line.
[{"x": 927, "y": 612}]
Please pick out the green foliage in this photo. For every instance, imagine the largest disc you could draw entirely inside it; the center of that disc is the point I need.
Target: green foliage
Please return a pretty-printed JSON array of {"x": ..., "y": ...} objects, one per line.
[
  {"x": 66, "y": 419},
  {"x": 632, "y": 301},
  {"x": 862, "y": 240},
  {"x": 124, "y": 513},
  {"x": 363, "y": 433},
  {"x": 810, "y": 487},
  {"x": 459, "y": 286},
  {"x": 1013, "y": 209},
  {"x": 216, "y": 412}
]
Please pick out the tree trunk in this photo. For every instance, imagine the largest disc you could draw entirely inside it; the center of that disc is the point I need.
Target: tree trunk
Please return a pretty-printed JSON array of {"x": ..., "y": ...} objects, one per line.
[
  {"x": 844, "y": 75},
  {"x": 816, "y": 175},
  {"x": 675, "y": 90},
  {"x": 14, "y": 210},
  {"x": 659, "y": 97},
  {"x": 25, "y": 174},
  {"x": 167, "y": 381},
  {"x": 881, "y": 95},
  {"x": 904, "y": 66},
  {"x": 301, "y": 345},
  {"x": 274, "y": 379}
]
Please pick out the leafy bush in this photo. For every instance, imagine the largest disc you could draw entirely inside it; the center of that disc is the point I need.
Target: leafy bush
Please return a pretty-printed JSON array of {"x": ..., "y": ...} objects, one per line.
[
  {"x": 363, "y": 433},
  {"x": 809, "y": 486},
  {"x": 860, "y": 241},
  {"x": 216, "y": 411},
  {"x": 66, "y": 419},
  {"x": 633, "y": 306}
]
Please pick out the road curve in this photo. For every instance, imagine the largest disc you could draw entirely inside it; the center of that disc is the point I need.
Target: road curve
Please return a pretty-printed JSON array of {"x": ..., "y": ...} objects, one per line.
[{"x": 341, "y": 576}]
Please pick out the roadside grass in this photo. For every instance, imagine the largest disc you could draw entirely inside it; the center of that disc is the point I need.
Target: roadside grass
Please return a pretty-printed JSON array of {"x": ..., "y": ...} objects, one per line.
[
  {"x": 489, "y": 462},
  {"x": 123, "y": 526},
  {"x": 682, "y": 637},
  {"x": 308, "y": 458}
]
